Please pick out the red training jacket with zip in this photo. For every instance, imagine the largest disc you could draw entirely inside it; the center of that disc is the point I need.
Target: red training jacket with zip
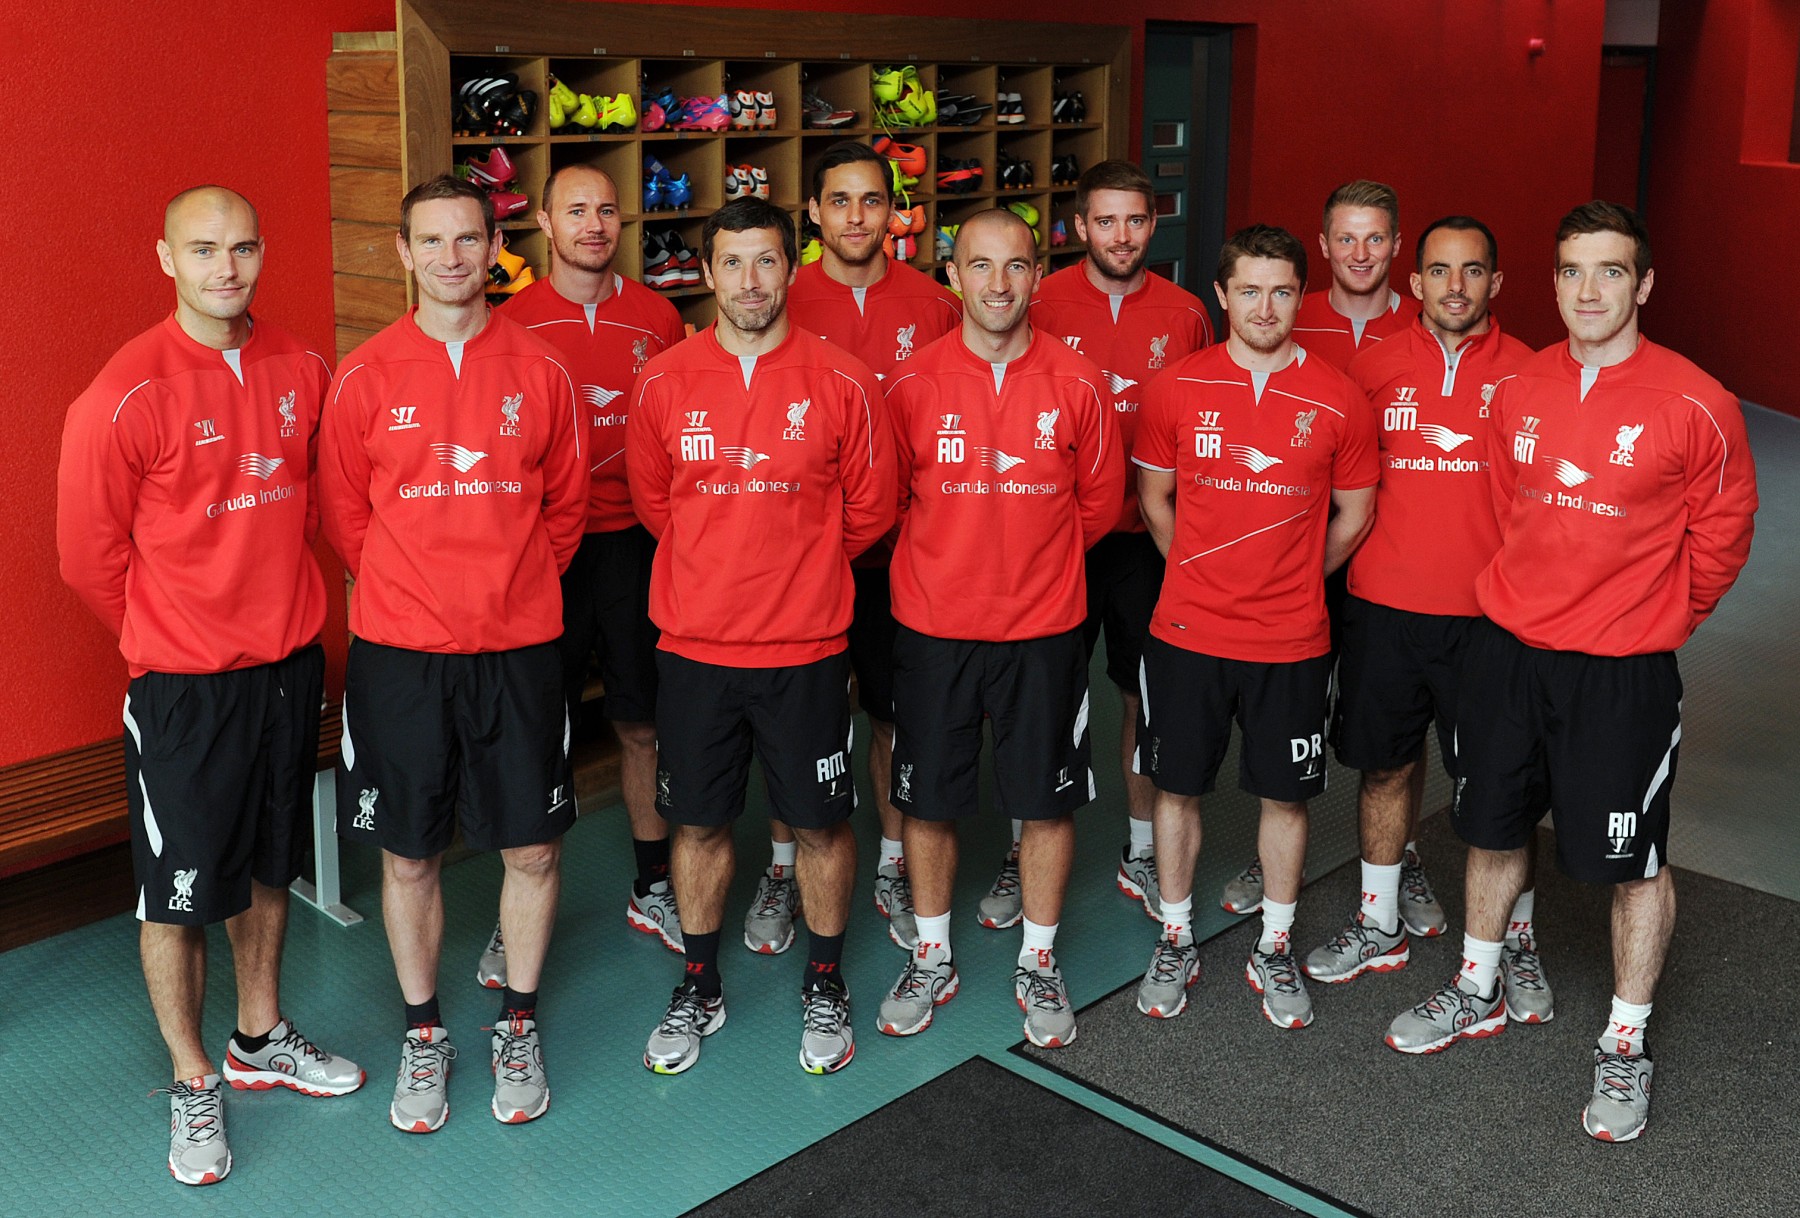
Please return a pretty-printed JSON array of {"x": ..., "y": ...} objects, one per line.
[
  {"x": 1002, "y": 489},
  {"x": 455, "y": 496},
  {"x": 759, "y": 495},
  {"x": 1626, "y": 498}
]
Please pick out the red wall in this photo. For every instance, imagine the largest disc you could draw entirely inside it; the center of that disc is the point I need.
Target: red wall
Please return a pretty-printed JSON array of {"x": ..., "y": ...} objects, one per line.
[
  {"x": 1723, "y": 195},
  {"x": 130, "y": 103}
]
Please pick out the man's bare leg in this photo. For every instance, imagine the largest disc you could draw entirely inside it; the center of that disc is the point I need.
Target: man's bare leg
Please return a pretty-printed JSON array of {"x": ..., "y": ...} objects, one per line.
[
  {"x": 528, "y": 897},
  {"x": 174, "y": 960},
  {"x": 412, "y": 906},
  {"x": 256, "y": 938}
]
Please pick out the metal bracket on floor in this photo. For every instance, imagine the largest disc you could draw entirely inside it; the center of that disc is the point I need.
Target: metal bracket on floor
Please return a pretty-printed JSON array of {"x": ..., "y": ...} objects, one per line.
[{"x": 322, "y": 892}]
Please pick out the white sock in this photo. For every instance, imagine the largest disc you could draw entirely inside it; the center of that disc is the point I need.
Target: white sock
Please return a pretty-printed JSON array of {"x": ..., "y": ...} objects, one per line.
[
  {"x": 892, "y": 854},
  {"x": 1178, "y": 917},
  {"x": 935, "y": 930},
  {"x": 1277, "y": 923},
  {"x": 1480, "y": 966},
  {"x": 1018, "y": 831},
  {"x": 1143, "y": 838},
  {"x": 1038, "y": 938},
  {"x": 1520, "y": 922},
  {"x": 1381, "y": 895},
  {"x": 1625, "y": 1029},
  {"x": 782, "y": 854}
]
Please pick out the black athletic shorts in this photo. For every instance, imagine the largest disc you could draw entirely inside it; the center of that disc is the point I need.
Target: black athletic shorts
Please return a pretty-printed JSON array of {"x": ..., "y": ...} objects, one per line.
[
  {"x": 606, "y": 614},
  {"x": 1595, "y": 738},
  {"x": 1034, "y": 691},
  {"x": 871, "y": 639},
  {"x": 219, "y": 774},
  {"x": 1190, "y": 700},
  {"x": 1124, "y": 578},
  {"x": 796, "y": 718},
  {"x": 433, "y": 739},
  {"x": 1397, "y": 673}
]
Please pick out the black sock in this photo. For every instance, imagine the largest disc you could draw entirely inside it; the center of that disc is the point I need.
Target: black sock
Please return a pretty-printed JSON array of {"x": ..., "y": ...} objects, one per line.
[
  {"x": 515, "y": 1004},
  {"x": 823, "y": 955},
  {"x": 703, "y": 962},
  {"x": 652, "y": 863},
  {"x": 424, "y": 1015},
  {"x": 253, "y": 1044}
]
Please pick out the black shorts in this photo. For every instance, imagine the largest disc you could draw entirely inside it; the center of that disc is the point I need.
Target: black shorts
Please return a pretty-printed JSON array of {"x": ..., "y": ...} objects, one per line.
[
  {"x": 1035, "y": 692},
  {"x": 796, "y": 718},
  {"x": 1124, "y": 578},
  {"x": 871, "y": 639},
  {"x": 1397, "y": 673},
  {"x": 606, "y": 613},
  {"x": 1190, "y": 700},
  {"x": 433, "y": 739},
  {"x": 1594, "y": 737},
  {"x": 219, "y": 774}
]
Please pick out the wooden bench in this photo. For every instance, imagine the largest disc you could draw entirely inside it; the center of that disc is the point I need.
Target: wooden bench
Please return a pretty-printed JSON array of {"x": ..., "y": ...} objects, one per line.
[{"x": 70, "y": 803}]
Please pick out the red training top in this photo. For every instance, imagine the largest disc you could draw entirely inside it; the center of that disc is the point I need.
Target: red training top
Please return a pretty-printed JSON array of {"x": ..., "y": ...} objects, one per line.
[
  {"x": 604, "y": 347},
  {"x": 1625, "y": 495},
  {"x": 1331, "y": 336},
  {"x": 760, "y": 484},
  {"x": 1434, "y": 522},
  {"x": 184, "y": 506},
  {"x": 1003, "y": 488},
  {"x": 455, "y": 494},
  {"x": 900, "y": 313},
  {"x": 1253, "y": 480},
  {"x": 1152, "y": 328}
]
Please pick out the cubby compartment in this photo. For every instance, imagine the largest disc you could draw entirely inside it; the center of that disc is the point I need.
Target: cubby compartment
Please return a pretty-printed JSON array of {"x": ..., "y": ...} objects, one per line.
[
  {"x": 845, "y": 86},
  {"x": 1028, "y": 147},
  {"x": 954, "y": 152},
  {"x": 779, "y": 159},
  {"x": 684, "y": 77},
  {"x": 1088, "y": 85},
  {"x": 780, "y": 81},
  {"x": 530, "y": 74},
  {"x": 977, "y": 81},
  {"x": 1032, "y": 84},
  {"x": 703, "y": 161}
]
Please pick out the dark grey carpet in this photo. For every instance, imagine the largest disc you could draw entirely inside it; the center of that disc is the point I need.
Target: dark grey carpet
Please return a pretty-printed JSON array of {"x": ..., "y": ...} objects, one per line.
[
  {"x": 1490, "y": 1126},
  {"x": 980, "y": 1140}
]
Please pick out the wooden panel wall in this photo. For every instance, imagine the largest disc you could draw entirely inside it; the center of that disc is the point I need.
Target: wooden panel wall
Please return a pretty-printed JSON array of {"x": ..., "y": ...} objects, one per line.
[{"x": 362, "y": 92}]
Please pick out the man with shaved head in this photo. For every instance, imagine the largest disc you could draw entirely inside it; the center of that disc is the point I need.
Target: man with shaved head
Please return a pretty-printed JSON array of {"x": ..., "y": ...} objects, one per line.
[
  {"x": 185, "y": 520},
  {"x": 1009, "y": 470}
]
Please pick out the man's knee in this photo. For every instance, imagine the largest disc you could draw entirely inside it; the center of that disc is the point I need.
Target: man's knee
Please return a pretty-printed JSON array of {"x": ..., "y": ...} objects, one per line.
[
  {"x": 636, "y": 735},
  {"x": 532, "y": 862}
]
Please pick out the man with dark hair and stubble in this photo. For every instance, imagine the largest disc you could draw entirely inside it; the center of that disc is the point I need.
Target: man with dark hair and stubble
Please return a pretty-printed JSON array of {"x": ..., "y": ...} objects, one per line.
[
  {"x": 881, "y": 311},
  {"x": 1244, "y": 450},
  {"x": 454, "y": 490},
  {"x": 1411, "y": 603},
  {"x": 1626, "y": 496},
  {"x": 762, "y": 460},
  {"x": 1134, "y": 323},
  {"x": 185, "y": 520}
]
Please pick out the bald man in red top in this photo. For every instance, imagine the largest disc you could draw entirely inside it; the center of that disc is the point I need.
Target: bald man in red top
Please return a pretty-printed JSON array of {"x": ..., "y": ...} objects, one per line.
[{"x": 1626, "y": 496}]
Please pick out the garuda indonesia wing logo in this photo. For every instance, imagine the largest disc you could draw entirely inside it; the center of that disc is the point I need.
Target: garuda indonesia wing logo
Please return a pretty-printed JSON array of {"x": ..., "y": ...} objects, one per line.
[
  {"x": 743, "y": 458},
  {"x": 259, "y": 466},
  {"x": 998, "y": 461},
  {"x": 1117, "y": 383},
  {"x": 1569, "y": 474},
  {"x": 1443, "y": 437},
  {"x": 1256, "y": 459},
  {"x": 461, "y": 459},
  {"x": 594, "y": 395}
]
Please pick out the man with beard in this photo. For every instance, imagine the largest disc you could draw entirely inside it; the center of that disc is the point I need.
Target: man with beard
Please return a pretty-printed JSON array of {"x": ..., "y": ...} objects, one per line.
[
  {"x": 453, "y": 488},
  {"x": 762, "y": 460},
  {"x": 606, "y": 328},
  {"x": 1412, "y": 594},
  {"x": 880, "y": 311},
  {"x": 1009, "y": 473},
  {"x": 1133, "y": 324},
  {"x": 1245, "y": 448}
]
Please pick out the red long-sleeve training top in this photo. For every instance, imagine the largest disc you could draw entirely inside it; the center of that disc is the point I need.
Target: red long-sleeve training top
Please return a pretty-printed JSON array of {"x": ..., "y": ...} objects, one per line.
[
  {"x": 185, "y": 513},
  {"x": 1337, "y": 340},
  {"x": 761, "y": 483},
  {"x": 455, "y": 493}
]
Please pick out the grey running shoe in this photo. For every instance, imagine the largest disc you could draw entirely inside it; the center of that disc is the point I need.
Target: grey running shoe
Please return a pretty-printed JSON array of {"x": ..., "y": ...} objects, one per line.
[
  {"x": 290, "y": 1060},
  {"x": 655, "y": 913},
  {"x": 1450, "y": 1015},
  {"x": 521, "y": 1088},
  {"x": 1003, "y": 905},
  {"x": 927, "y": 982},
  {"x": 1419, "y": 907},
  {"x": 1619, "y": 1109},
  {"x": 769, "y": 926},
  {"x": 1528, "y": 996},
  {"x": 1274, "y": 975},
  {"x": 1038, "y": 985},
  {"x": 198, "y": 1152},
  {"x": 1174, "y": 966},
  {"x": 422, "y": 1088},
  {"x": 1244, "y": 891},
  {"x": 826, "y": 1042},
  {"x": 893, "y": 897},
  {"x": 1361, "y": 947},
  {"x": 675, "y": 1044},
  {"x": 490, "y": 970},
  {"x": 1137, "y": 878}
]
